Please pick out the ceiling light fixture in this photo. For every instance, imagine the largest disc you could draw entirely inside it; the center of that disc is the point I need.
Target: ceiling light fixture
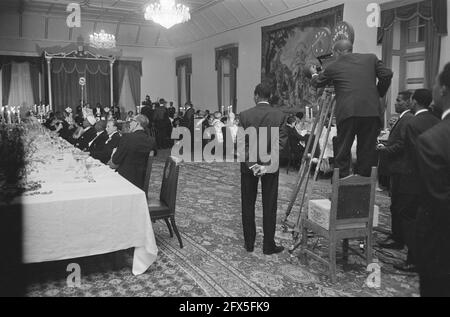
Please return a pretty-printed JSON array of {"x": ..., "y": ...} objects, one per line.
[
  {"x": 102, "y": 40},
  {"x": 167, "y": 13}
]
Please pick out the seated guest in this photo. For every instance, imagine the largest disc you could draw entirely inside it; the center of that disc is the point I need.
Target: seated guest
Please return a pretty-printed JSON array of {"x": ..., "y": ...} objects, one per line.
[
  {"x": 98, "y": 111},
  {"x": 131, "y": 157},
  {"x": 62, "y": 127},
  {"x": 48, "y": 122},
  {"x": 79, "y": 116},
  {"x": 103, "y": 152},
  {"x": 296, "y": 140},
  {"x": 129, "y": 116},
  {"x": 98, "y": 142},
  {"x": 88, "y": 133}
]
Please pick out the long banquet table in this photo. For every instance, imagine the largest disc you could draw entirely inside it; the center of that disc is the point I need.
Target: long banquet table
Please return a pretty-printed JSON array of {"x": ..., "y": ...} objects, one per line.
[{"x": 79, "y": 211}]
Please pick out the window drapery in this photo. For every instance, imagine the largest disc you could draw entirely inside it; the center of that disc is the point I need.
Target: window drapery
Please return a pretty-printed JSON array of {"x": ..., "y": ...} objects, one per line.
[
  {"x": 434, "y": 12},
  {"x": 134, "y": 70},
  {"x": 35, "y": 64},
  {"x": 21, "y": 91}
]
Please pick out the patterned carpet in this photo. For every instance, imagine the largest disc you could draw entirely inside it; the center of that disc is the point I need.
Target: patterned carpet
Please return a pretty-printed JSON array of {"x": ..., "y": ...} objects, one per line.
[{"x": 214, "y": 262}]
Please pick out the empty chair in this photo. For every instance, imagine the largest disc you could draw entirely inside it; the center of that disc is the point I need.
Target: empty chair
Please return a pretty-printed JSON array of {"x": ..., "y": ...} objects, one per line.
[
  {"x": 164, "y": 208},
  {"x": 349, "y": 215},
  {"x": 148, "y": 173}
]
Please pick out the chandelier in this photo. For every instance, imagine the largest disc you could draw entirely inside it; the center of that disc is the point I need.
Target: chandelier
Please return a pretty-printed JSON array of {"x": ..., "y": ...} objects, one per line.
[
  {"x": 167, "y": 13},
  {"x": 102, "y": 40}
]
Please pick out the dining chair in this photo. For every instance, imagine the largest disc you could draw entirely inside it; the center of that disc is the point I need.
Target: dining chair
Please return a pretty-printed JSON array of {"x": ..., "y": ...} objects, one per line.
[
  {"x": 348, "y": 215},
  {"x": 148, "y": 172},
  {"x": 164, "y": 208}
]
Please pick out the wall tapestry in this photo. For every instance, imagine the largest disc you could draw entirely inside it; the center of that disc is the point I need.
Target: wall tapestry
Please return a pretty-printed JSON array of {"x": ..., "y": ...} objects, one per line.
[{"x": 287, "y": 47}]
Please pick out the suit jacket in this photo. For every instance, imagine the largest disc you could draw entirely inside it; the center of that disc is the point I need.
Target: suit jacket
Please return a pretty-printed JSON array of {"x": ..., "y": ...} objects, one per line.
[
  {"x": 104, "y": 152},
  {"x": 415, "y": 127},
  {"x": 294, "y": 139},
  {"x": 148, "y": 112},
  {"x": 188, "y": 119},
  {"x": 433, "y": 148},
  {"x": 98, "y": 112},
  {"x": 397, "y": 156},
  {"x": 354, "y": 77},
  {"x": 262, "y": 116},
  {"x": 132, "y": 156},
  {"x": 99, "y": 142},
  {"x": 83, "y": 142}
]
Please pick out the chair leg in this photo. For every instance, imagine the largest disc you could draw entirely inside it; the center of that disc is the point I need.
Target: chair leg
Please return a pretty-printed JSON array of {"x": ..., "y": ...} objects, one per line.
[
  {"x": 332, "y": 259},
  {"x": 169, "y": 226},
  {"x": 345, "y": 249},
  {"x": 304, "y": 246},
  {"x": 288, "y": 166},
  {"x": 172, "y": 221},
  {"x": 369, "y": 249}
]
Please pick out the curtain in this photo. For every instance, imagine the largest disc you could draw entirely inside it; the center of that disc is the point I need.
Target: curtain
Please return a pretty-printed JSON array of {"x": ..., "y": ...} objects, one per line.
[
  {"x": 6, "y": 83},
  {"x": 126, "y": 97},
  {"x": 134, "y": 77},
  {"x": 434, "y": 10},
  {"x": 66, "y": 92},
  {"x": 98, "y": 89},
  {"x": 21, "y": 91},
  {"x": 1, "y": 84},
  {"x": 433, "y": 47},
  {"x": 134, "y": 69},
  {"x": 182, "y": 87}
]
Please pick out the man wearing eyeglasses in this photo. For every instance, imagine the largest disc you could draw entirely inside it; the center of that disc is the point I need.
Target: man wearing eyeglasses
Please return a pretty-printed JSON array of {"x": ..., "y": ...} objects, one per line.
[{"x": 131, "y": 157}]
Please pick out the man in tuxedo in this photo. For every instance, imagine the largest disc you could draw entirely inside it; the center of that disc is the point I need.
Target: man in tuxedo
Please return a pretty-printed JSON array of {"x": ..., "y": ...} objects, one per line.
[
  {"x": 433, "y": 222},
  {"x": 422, "y": 121},
  {"x": 189, "y": 122},
  {"x": 89, "y": 133},
  {"x": 103, "y": 152},
  {"x": 399, "y": 169},
  {"x": 148, "y": 111},
  {"x": 162, "y": 124},
  {"x": 131, "y": 157},
  {"x": 358, "y": 107},
  {"x": 99, "y": 140},
  {"x": 261, "y": 116},
  {"x": 98, "y": 111}
]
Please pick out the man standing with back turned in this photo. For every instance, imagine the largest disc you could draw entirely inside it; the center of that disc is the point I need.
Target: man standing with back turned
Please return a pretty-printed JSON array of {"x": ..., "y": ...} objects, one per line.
[
  {"x": 358, "y": 106},
  {"x": 263, "y": 116}
]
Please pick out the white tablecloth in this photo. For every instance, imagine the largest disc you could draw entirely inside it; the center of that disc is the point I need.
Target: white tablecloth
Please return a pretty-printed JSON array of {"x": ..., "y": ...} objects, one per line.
[{"x": 75, "y": 218}]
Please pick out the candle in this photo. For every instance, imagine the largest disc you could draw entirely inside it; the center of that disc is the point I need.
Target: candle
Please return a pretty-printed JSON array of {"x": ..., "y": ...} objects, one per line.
[
  {"x": 9, "y": 116},
  {"x": 223, "y": 109},
  {"x": 35, "y": 108}
]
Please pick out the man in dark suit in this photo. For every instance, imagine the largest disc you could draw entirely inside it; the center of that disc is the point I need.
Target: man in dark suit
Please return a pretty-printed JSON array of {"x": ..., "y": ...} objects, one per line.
[
  {"x": 131, "y": 157},
  {"x": 89, "y": 133},
  {"x": 98, "y": 111},
  {"x": 148, "y": 111},
  {"x": 99, "y": 141},
  {"x": 261, "y": 116},
  {"x": 422, "y": 121},
  {"x": 104, "y": 152},
  {"x": 433, "y": 222},
  {"x": 358, "y": 107},
  {"x": 399, "y": 167},
  {"x": 189, "y": 122},
  {"x": 162, "y": 124}
]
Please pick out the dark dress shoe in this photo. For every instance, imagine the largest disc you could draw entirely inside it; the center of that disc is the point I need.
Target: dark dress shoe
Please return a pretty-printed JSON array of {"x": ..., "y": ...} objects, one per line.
[
  {"x": 406, "y": 267},
  {"x": 392, "y": 246},
  {"x": 275, "y": 250},
  {"x": 250, "y": 250}
]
